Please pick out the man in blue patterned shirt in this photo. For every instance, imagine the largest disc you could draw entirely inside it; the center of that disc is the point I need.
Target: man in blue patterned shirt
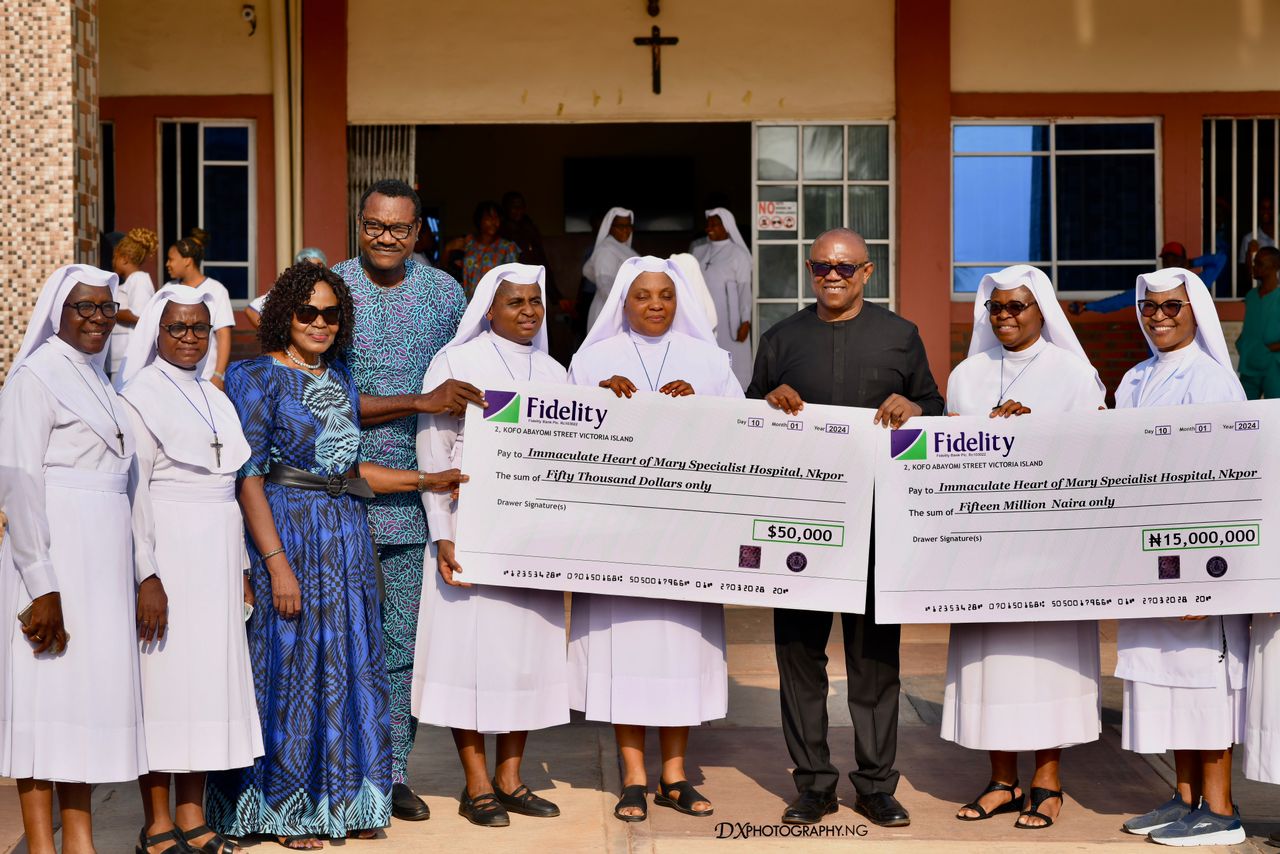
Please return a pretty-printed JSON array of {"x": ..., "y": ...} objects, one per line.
[{"x": 404, "y": 313}]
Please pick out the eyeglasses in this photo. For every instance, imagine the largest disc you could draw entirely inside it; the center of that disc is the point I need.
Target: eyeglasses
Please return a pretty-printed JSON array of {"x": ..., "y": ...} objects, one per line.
[
  {"x": 308, "y": 314},
  {"x": 821, "y": 269},
  {"x": 1170, "y": 307},
  {"x": 88, "y": 309},
  {"x": 180, "y": 330},
  {"x": 1013, "y": 308},
  {"x": 399, "y": 230}
]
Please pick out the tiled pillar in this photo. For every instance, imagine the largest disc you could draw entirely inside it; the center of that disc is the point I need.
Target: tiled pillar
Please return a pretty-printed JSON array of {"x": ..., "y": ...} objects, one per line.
[{"x": 48, "y": 151}]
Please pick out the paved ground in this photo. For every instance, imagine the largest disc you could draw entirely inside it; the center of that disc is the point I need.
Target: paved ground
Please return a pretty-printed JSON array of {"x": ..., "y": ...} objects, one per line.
[{"x": 742, "y": 765}]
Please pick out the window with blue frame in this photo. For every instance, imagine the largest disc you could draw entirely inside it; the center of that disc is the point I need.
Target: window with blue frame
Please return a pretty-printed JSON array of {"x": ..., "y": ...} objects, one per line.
[{"x": 1078, "y": 198}]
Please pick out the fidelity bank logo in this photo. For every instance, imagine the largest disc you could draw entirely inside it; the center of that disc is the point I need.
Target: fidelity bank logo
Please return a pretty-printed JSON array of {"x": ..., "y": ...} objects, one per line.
[
  {"x": 914, "y": 444},
  {"x": 504, "y": 407},
  {"x": 909, "y": 445}
]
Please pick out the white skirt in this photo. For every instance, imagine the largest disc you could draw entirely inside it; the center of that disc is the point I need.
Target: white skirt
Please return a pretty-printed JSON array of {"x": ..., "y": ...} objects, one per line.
[
  {"x": 1158, "y": 718},
  {"x": 489, "y": 659},
  {"x": 1022, "y": 686},
  {"x": 197, "y": 683},
  {"x": 1262, "y": 720},
  {"x": 647, "y": 662},
  {"x": 76, "y": 717}
]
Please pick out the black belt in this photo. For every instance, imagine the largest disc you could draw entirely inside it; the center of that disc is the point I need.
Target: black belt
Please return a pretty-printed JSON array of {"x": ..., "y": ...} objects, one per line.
[{"x": 334, "y": 485}]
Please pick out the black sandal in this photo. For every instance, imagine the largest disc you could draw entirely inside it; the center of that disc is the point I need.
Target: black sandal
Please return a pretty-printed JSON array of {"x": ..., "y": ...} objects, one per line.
[
  {"x": 216, "y": 844},
  {"x": 684, "y": 803},
  {"x": 632, "y": 796},
  {"x": 484, "y": 810},
  {"x": 1038, "y": 797},
  {"x": 145, "y": 842},
  {"x": 1013, "y": 805},
  {"x": 525, "y": 802}
]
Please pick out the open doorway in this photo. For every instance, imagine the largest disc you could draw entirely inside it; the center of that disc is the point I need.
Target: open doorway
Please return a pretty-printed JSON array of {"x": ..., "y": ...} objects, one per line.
[{"x": 570, "y": 174}]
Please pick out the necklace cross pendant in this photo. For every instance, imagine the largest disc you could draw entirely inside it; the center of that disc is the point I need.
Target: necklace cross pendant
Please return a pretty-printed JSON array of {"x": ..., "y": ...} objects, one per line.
[
  {"x": 217, "y": 450},
  {"x": 120, "y": 439}
]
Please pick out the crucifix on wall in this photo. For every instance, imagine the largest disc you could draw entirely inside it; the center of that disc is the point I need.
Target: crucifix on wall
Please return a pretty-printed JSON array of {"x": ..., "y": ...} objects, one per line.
[{"x": 655, "y": 41}]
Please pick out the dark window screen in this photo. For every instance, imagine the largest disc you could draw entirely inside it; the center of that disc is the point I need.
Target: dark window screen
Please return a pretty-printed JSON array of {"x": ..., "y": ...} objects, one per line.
[{"x": 659, "y": 189}]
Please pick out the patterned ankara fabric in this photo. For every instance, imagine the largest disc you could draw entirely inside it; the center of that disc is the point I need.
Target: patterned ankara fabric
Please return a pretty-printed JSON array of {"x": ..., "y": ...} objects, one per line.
[
  {"x": 319, "y": 678},
  {"x": 479, "y": 259},
  {"x": 397, "y": 332},
  {"x": 402, "y": 583}
]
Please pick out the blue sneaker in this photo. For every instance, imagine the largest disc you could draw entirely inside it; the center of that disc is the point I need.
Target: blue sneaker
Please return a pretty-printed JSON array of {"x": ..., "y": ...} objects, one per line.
[
  {"x": 1202, "y": 827},
  {"x": 1162, "y": 816}
]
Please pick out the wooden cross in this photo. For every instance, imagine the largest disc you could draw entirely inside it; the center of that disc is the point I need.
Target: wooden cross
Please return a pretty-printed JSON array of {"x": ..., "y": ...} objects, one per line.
[
  {"x": 217, "y": 449},
  {"x": 655, "y": 41}
]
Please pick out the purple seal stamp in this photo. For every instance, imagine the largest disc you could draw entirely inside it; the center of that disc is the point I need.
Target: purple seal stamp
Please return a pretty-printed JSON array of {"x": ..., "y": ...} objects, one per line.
[
  {"x": 796, "y": 562},
  {"x": 748, "y": 557},
  {"x": 1169, "y": 567}
]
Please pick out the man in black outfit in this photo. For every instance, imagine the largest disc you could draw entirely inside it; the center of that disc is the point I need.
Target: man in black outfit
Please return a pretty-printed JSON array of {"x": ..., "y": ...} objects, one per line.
[{"x": 846, "y": 352}]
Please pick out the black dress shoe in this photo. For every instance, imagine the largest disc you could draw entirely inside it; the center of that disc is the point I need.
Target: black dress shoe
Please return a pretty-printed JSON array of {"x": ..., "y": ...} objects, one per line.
[
  {"x": 525, "y": 802},
  {"x": 407, "y": 806},
  {"x": 484, "y": 810},
  {"x": 883, "y": 809},
  {"x": 810, "y": 807}
]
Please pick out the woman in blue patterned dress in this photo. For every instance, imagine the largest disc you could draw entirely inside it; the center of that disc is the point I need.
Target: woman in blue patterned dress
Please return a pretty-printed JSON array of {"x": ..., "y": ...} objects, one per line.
[{"x": 315, "y": 638}]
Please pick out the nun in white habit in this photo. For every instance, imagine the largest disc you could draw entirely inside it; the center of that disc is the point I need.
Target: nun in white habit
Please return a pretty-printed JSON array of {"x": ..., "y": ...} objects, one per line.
[
  {"x": 613, "y": 246},
  {"x": 197, "y": 682},
  {"x": 651, "y": 662},
  {"x": 692, "y": 272},
  {"x": 488, "y": 659},
  {"x": 1262, "y": 718},
  {"x": 1184, "y": 677},
  {"x": 70, "y": 700},
  {"x": 727, "y": 267},
  {"x": 1022, "y": 686}
]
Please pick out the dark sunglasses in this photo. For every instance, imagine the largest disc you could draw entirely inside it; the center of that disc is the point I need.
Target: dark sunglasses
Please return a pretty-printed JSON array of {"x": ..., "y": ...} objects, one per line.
[
  {"x": 821, "y": 269},
  {"x": 1170, "y": 307},
  {"x": 308, "y": 314},
  {"x": 180, "y": 330},
  {"x": 1014, "y": 308},
  {"x": 88, "y": 309},
  {"x": 399, "y": 230}
]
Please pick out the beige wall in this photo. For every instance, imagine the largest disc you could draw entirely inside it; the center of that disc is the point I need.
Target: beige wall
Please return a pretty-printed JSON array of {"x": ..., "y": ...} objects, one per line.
[
  {"x": 574, "y": 60},
  {"x": 183, "y": 47},
  {"x": 1115, "y": 45}
]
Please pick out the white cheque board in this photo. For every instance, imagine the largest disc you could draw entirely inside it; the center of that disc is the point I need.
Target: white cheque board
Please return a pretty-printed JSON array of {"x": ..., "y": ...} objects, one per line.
[{"x": 694, "y": 498}]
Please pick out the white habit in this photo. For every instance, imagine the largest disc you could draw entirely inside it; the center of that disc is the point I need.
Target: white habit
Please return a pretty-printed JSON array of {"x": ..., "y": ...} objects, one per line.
[
  {"x": 605, "y": 261},
  {"x": 133, "y": 294},
  {"x": 727, "y": 268},
  {"x": 651, "y": 662},
  {"x": 1262, "y": 719},
  {"x": 197, "y": 682},
  {"x": 488, "y": 658},
  {"x": 222, "y": 316},
  {"x": 1034, "y": 685},
  {"x": 1184, "y": 679},
  {"x": 76, "y": 716}
]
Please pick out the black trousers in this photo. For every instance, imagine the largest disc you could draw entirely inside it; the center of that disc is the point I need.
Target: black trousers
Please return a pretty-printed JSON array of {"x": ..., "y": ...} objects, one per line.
[{"x": 871, "y": 658}]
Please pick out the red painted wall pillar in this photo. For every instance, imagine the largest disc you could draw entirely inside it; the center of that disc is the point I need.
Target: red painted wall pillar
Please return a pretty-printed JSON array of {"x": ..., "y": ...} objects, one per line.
[
  {"x": 922, "y": 70},
  {"x": 324, "y": 127}
]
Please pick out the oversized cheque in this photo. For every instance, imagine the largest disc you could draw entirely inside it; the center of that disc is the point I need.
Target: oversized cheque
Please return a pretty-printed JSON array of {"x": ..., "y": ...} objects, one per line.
[
  {"x": 1154, "y": 512},
  {"x": 695, "y": 498}
]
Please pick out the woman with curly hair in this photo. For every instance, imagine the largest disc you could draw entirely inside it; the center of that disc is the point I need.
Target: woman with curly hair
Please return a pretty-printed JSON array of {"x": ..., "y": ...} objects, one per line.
[
  {"x": 315, "y": 638},
  {"x": 136, "y": 287}
]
